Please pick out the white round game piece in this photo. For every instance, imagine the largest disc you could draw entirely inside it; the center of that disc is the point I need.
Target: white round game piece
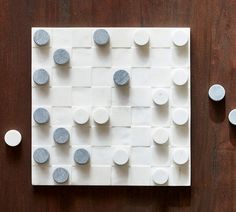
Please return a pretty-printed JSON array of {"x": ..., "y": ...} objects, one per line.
[
  {"x": 180, "y": 116},
  {"x": 216, "y": 92},
  {"x": 141, "y": 37},
  {"x": 180, "y": 157},
  {"x": 160, "y": 136},
  {"x": 232, "y": 117},
  {"x": 160, "y": 97},
  {"x": 180, "y": 77},
  {"x": 160, "y": 177},
  {"x": 12, "y": 138},
  {"x": 81, "y": 116},
  {"x": 180, "y": 38},
  {"x": 101, "y": 115},
  {"x": 120, "y": 157}
]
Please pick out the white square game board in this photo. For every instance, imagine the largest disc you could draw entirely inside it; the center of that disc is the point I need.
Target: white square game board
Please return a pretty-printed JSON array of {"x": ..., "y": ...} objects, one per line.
[{"x": 111, "y": 106}]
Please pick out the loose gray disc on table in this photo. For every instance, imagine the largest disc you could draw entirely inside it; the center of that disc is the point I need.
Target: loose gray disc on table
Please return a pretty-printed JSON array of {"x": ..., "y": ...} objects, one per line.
[
  {"x": 216, "y": 92},
  {"x": 41, "y": 77},
  {"x": 121, "y": 77},
  {"x": 101, "y": 37},
  {"x": 81, "y": 156},
  {"x": 41, "y": 116},
  {"x": 61, "y": 57},
  {"x": 41, "y": 155},
  {"x": 60, "y": 175},
  {"x": 41, "y": 37},
  {"x": 61, "y": 135}
]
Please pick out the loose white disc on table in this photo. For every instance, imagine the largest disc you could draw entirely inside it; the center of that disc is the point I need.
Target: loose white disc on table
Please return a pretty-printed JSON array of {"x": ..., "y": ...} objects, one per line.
[
  {"x": 180, "y": 156},
  {"x": 81, "y": 116},
  {"x": 160, "y": 176},
  {"x": 232, "y": 117},
  {"x": 141, "y": 37},
  {"x": 12, "y": 138},
  {"x": 160, "y": 97},
  {"x": 180, "y": 38},
  {"x": 120, "y": 157},
  {"x": 180, "y": 77},
  {"x": 101, "y": 115},
  {"x": 216, "y": 92},
  {"x": 160, "y": 136},
  {"x": 180, "y": 116}
]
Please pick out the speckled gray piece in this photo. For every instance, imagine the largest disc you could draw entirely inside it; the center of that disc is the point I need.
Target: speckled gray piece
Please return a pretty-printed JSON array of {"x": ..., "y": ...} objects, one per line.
[
  {"x": 61, "y": 135},
  {"x": 41, "y": 116},
  {"x": 121, "y": 77},
  {"x": 41, "y": 37},
  {"x": 81, "y": 156},
  {"x": 61, "y": 57},
  {"x": 41, "y": 77},
  {"x": 41, "y": 155},
  {"x": 101, "y": 37},
  {"x": 60, "y": 175}
]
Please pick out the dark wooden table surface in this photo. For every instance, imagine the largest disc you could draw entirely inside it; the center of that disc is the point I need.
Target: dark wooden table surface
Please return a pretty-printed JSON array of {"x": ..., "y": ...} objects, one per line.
[{"x": 213, "y": 31}]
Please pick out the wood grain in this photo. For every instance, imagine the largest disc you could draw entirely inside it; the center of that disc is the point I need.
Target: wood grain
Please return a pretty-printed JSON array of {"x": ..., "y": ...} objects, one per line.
[{"x": 213, "y": 140}]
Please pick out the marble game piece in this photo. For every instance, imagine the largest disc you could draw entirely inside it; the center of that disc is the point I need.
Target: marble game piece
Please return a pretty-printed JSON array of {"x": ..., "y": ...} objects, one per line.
[
  {"x": 61, "y": 135},
  {"x": 41, "y": 37},
  {"x": 113, "y": 107},
  {"x": 41, "y": 77},
  {"x": 81, "y": 156},
  {"x": 12, "y": 138},
  {"x": 232, "y": 117},
  {"x": 101, "y": 37},
  {"x": 41, "y": 116},
  {"x": 216, "y": 92},
  {"x": 41, "y": 155},
  {"x": 61, "y": 57},
  {"x": 121, "y": 77},
  {"x": 60, "y": 175}
]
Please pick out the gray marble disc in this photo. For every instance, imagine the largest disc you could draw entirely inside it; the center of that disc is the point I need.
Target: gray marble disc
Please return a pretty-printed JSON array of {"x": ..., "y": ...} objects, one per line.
[
  {"x": 41, "y": 77},
  {"x": 41, "y": 37},
  {"x": 41, "y": 116},
  {"x": 60, "y": 175},
  {"x": 41, "y": 155},
  {"x": 101, "y": 37},
  {"x": 216, "y": 92},
  {"x": 61, "y": 57},
  {"x": 61, "y": 135},
  {"x": 81, "y": 156},
  {"x": 121, "y": 77}
]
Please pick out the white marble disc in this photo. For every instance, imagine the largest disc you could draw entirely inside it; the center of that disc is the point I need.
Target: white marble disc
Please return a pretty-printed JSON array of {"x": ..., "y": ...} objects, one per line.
[
  {"x": 160, "y": 97},
  {"x": 120, "y": 157},
  {"x": 160, "y": 177},
  {"x": 180, "y": 116},
  {"x": 141, "y": 37},
  {"x": 12, "y": 138},
  {"x": 101, "y": 115},
  {"x": 180, "y": 77},
  {"x": 81, "y": 116},
  {"x": 180, "y": 38},
  {"x": 161, "y": 136},
  {"x": 216, "y": 92},
  {"x": 180, "y": 156},
  {"x": 232, "y": 117}
]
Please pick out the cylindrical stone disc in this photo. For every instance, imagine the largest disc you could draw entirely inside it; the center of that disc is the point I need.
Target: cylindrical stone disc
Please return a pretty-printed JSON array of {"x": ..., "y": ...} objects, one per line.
[
  {"x": 101, "y": 37},
  {"x": 61, "y": 57},
  {"x": 41, "y": 155},
  {"x": 121, "y": 77},
  {"x": 61, "y": 135},
  {"x": 81, "y": 156},
  {"x": 41, "y": 77},
  {"x": 41, "y": 37},
  {"x": 41, "y": 116},
  {"x": 60, "y": 175}
]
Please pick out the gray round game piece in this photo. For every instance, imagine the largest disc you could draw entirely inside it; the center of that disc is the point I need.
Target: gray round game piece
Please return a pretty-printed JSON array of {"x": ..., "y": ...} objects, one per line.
[
  {"x": 41, "y": 155},
  {"x": 41, "y": 37},
  {"x": 101, "y": 37},
  {"x": 216, "y": 92},
  {"x": 81, "y": 156},
  {"x": 121, "y": 77},
  {"x": 41, "y": 116},
  {"x": 61, "y": 57},
  {"x": 232, "y": 117},
  {"x": 61, "y": 135},
  {"x": 41, "y": 77},
  {"x": 60, "y": 175}
]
